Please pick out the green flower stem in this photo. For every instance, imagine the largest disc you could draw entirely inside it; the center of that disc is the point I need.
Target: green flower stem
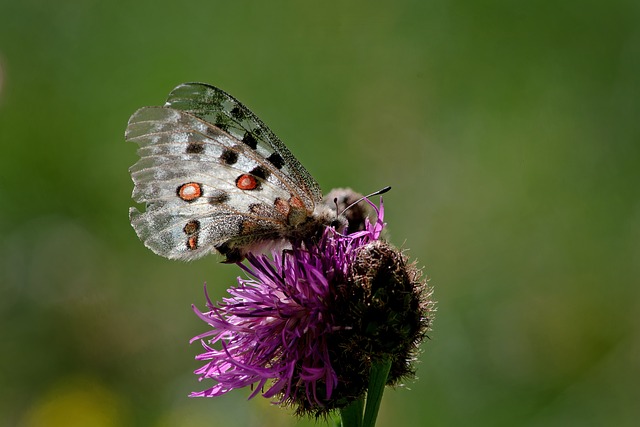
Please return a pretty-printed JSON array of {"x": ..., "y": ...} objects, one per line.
[
  {"x": 351, "y": 415},
  {"x": 377, "y": 381}
]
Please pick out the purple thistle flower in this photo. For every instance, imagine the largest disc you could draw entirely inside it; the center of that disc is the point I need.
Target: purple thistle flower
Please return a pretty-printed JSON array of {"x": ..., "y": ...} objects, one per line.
[
  {"x": 275, "y": 325},
  {"x": 289, "y": 329}
]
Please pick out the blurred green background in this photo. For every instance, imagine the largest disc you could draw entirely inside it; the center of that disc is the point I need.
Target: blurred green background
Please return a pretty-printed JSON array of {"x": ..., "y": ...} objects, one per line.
[{"x": 510, "y": 132}]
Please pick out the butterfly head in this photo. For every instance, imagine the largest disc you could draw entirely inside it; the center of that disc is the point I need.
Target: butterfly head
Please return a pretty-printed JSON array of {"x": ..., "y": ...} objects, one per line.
[{"x": 348, "y": 210}]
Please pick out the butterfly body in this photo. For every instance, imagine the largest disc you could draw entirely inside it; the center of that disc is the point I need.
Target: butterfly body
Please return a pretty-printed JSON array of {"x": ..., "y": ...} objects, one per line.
[{"x": 214, "y": 177}]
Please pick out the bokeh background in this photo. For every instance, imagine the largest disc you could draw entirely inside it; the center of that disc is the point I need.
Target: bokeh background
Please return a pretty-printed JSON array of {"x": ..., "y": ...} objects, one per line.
[{"x": 510, "y": 132}]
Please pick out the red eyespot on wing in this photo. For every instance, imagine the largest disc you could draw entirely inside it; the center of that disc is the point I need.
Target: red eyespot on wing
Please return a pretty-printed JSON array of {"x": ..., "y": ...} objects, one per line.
[
  {"x": 189, "y": 191},
  {"x": 246, "y": 182},
  {"x": 296, "y": 202},
  {"x": 282, "y": 206},
  {"x": 297, "y": 213},
  {"x": 192, "y": 243}
]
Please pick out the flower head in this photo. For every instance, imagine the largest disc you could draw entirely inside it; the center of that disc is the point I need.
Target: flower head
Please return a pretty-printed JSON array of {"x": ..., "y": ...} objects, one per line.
[{"x": 299, "y": 328}]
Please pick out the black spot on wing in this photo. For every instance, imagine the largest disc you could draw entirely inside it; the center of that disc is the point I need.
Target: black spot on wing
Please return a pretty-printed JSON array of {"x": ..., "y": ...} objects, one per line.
[
  {"x": 195, "y": 148},
  {"x": 276, "y": 160},
  {"x": 260, "y": 172},
  {"x": 237, "y": 113},
  {"x": 229, "y": 157},
  {"x": 191, "y": 227},
  {"x": 218, "y": 197},
  {"x": 250, "y": 140}
]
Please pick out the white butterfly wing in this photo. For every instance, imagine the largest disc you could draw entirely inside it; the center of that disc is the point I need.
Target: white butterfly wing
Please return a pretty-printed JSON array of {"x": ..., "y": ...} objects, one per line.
[{"x": 204, "y": 187}]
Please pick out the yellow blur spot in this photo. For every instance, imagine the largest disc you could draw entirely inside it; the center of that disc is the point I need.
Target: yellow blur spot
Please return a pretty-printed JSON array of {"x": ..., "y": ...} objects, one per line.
[{"x": 76, "y": 402}]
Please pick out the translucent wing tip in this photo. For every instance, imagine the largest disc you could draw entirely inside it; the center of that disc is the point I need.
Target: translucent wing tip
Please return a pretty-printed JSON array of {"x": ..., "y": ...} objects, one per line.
[{"x": 190, "y": 96}]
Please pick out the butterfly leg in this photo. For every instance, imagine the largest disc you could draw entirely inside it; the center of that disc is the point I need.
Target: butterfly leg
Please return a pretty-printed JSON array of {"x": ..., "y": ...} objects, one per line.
[{"x": 285, "y": 252}]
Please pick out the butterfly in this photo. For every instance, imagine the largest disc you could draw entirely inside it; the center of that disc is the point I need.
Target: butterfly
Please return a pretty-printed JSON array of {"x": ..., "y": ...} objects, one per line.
[{"x": 215, "y": 178}]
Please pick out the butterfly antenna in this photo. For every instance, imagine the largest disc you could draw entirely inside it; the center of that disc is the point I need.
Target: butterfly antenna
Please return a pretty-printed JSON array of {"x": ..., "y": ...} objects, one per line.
[{"x": 375, "y": 193}]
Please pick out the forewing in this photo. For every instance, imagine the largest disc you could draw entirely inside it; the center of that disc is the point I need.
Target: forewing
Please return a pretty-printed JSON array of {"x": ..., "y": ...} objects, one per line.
[
  {"x": 217, "y": 107},
  {"x": 188, "y": 175}
]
